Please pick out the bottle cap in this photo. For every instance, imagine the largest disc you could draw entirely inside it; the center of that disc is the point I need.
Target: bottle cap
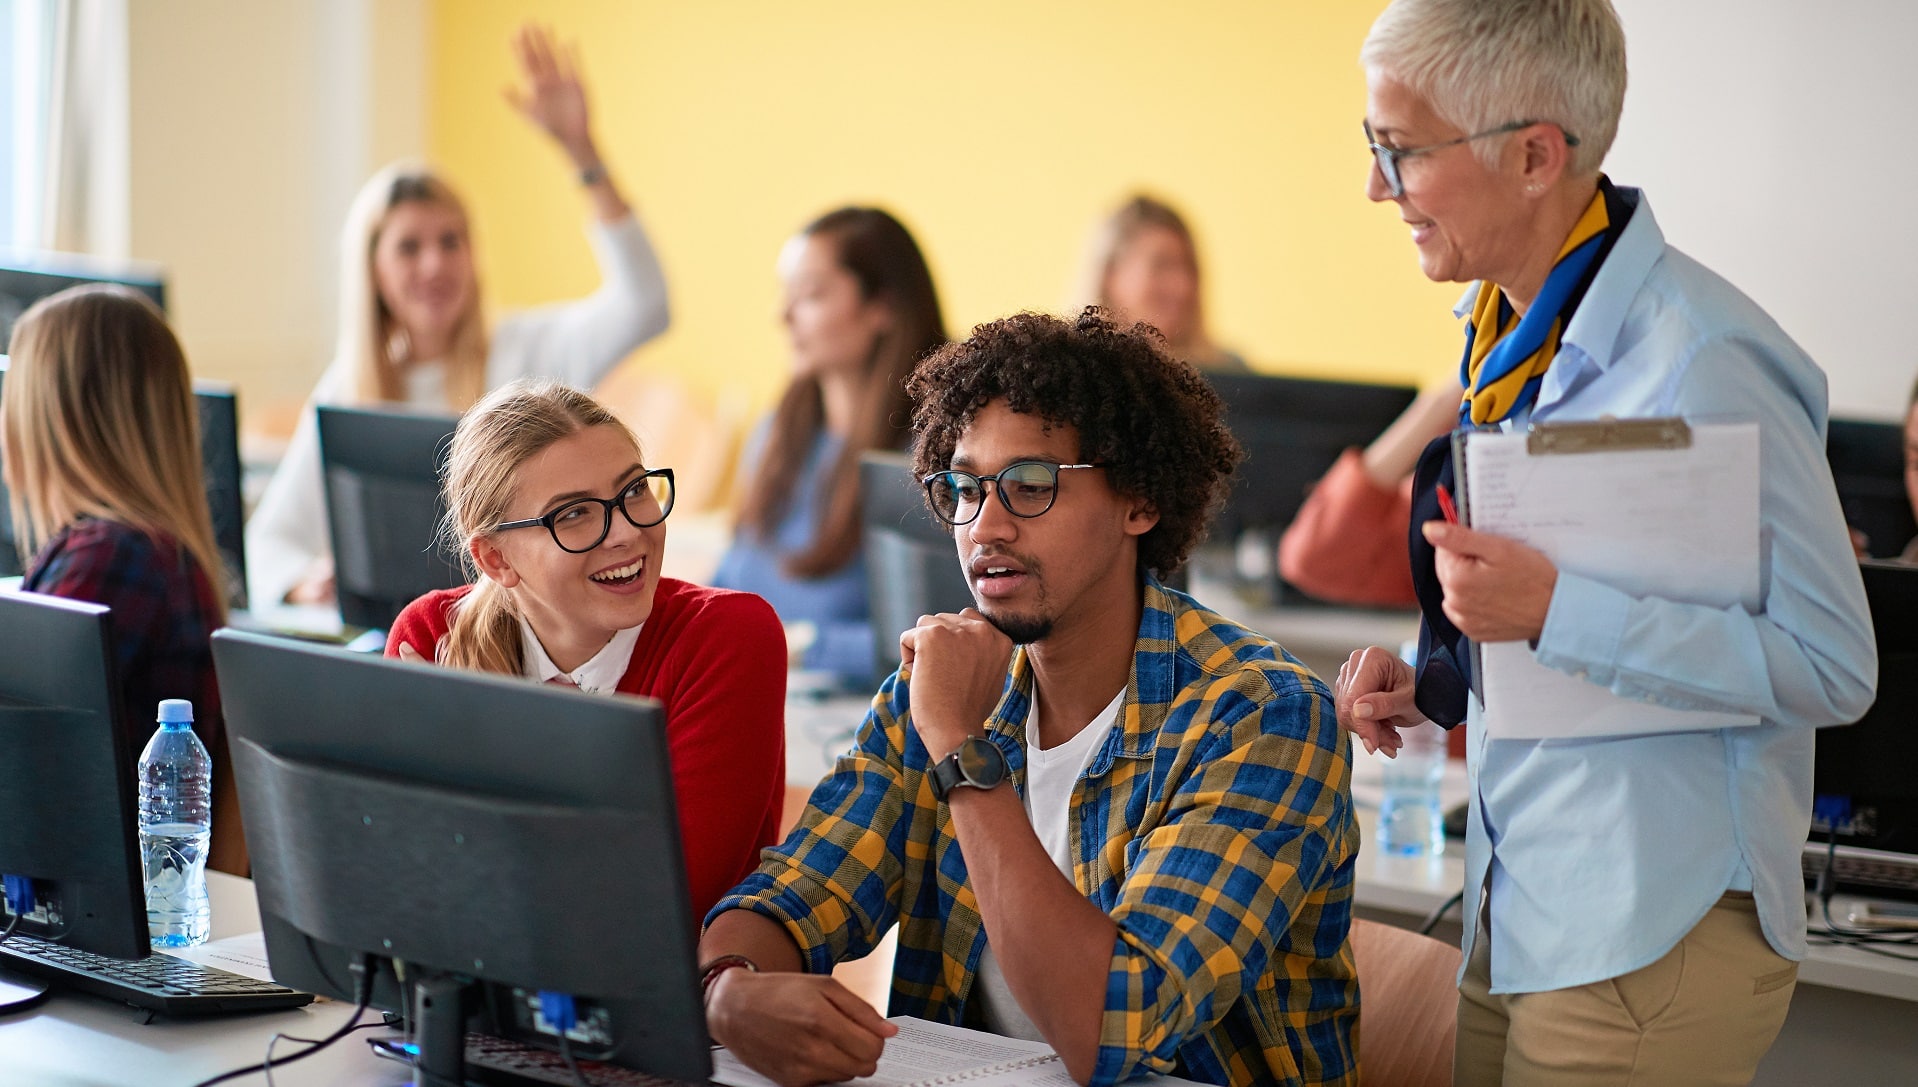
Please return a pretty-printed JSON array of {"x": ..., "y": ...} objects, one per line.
[{"x": 175, "y": 711}]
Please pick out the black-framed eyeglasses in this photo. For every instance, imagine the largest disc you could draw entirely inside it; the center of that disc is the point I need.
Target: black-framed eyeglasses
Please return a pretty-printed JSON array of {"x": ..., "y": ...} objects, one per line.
[
  {"x": 1388, "y": 157},
  {"x": 1026, "y": 488},
  {"x": 582, "y": 524}
]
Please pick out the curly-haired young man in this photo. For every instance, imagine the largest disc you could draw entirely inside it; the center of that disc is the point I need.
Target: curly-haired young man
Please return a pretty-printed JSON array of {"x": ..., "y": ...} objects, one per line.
[{"x": 1101, "y": 814}]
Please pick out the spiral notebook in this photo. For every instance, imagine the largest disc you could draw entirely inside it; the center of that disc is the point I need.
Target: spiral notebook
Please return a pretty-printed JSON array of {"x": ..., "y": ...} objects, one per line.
[{"x": 926, "y": 1054}]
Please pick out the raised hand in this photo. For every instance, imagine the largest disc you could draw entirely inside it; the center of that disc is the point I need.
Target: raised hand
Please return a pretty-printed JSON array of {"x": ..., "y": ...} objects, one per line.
[{"x": 550, "y": 93}]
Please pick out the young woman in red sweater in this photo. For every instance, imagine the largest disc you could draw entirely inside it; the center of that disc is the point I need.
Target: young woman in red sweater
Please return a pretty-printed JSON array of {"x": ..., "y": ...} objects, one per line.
[{"x": 564, "y": 526}]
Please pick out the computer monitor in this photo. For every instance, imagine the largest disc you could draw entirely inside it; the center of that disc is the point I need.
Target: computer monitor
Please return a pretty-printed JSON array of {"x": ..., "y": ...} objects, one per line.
[
  {"x": 1868, "y": 465},
  {"x": 912, "y": 567},
  {"x": 220, "y": 464},
  {"x": 1865, "y": 788},
  {"x": 1293, "y": 430},
  {"x": 67, "y": 778},
  {"x": 384, "y": 509},
  {"x": 26, "y": 276},
  {"x": 498, "y": 837}
]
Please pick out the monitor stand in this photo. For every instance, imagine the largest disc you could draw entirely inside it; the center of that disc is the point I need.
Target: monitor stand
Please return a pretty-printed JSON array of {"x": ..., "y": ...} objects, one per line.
[
  {"x": 439, "y": 1026},
  {"x": 18, "y": 992}
]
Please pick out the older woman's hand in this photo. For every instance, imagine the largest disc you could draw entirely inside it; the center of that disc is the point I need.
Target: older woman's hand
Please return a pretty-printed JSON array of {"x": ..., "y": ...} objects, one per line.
[
  {"x": 1373, "y": 697},
  {"x": 1496, "y": 589}
]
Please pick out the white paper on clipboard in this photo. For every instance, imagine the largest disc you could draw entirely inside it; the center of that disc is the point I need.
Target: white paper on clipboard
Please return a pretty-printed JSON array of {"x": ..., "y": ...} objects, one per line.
[{"x": 1677, "y": 523}]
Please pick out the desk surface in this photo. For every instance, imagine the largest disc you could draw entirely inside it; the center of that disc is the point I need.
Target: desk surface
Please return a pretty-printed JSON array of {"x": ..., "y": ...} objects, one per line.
[{"x": 77, "y": 1040}]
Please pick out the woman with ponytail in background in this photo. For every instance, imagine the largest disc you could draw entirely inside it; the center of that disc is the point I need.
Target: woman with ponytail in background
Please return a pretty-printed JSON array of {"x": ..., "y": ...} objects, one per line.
[{"x": 563, "y": 525}]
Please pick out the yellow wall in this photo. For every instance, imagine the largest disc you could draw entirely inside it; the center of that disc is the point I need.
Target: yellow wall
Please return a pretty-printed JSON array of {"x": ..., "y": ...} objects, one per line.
[{"x": 997, "y": 131}]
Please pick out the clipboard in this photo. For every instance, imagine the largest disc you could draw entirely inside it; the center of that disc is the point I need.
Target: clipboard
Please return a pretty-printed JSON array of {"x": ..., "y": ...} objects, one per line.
[{"x": 1667, "y": 506}]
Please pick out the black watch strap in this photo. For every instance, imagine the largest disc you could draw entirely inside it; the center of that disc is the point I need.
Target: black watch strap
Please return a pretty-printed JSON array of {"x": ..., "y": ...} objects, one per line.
[{"x": 977, "y": 763}]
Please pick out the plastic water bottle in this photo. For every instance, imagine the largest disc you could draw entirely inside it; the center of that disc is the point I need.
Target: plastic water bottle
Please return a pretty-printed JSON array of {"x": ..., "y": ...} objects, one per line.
[
  {"x": 1410, "y": 820},
  {"x": 176, "y": 824}
]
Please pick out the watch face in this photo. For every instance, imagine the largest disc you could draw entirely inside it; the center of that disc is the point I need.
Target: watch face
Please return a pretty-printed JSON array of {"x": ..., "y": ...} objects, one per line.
[{"x": 981, "y": 763}]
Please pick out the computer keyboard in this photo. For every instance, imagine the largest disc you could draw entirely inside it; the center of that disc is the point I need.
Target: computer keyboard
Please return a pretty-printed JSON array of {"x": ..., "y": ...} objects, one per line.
[
  {"x": 159, "y": 981},
  {"x": 502, "y": 1062}
]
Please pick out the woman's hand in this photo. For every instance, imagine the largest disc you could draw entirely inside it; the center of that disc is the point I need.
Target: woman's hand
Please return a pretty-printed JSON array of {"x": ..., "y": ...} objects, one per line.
[
  {"x": 550, "y": 93},
  {"x": 1374, "y": 699},
  {"x": 1496, "y": 589}
]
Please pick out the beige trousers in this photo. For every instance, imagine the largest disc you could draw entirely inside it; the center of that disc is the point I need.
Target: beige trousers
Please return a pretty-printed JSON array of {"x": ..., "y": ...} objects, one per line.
[{"x": 1704, "y": 1014}]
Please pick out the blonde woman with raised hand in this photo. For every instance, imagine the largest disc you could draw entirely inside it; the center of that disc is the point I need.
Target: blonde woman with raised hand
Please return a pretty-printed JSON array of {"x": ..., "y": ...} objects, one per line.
[
  {"x": 564, "y": 525},
  {"x": 100, "y": 440},
  {"x": 412, "y": 330}
]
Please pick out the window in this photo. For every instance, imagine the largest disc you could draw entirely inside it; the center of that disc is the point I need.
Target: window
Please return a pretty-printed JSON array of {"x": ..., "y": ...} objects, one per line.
[{"x": 26, "y": 80}]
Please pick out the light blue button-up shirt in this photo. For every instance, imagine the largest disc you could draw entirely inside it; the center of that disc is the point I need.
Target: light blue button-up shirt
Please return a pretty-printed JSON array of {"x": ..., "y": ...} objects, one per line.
[{"x": 1603, "y": 853}]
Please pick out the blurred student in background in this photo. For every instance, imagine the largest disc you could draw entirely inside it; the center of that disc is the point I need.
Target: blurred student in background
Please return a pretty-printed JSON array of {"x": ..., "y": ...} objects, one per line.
[
  {"x": 564, "y": 527},
  {"x": 1347, "y": 542},
  {"x": 1142, "y": 265},
  {"x": 412, "y": 331},
  {"x": 860, "y": 311},
  {"x": 101, "y": 443}
]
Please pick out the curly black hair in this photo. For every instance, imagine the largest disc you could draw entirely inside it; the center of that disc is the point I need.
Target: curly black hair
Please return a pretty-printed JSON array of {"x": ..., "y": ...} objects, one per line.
[{"x": 1150, "y": 418}]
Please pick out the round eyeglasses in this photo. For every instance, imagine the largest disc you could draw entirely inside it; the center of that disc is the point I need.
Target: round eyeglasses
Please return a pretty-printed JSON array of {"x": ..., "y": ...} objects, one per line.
[
  {"x": 1026, "y": 488},
  {"x": 1388, "y": 158},
  {"x": 582, "y": 524}
]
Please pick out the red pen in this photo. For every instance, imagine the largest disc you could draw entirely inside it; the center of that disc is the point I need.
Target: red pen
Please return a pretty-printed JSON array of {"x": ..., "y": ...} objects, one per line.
[{"x": 1445, "y": 505}]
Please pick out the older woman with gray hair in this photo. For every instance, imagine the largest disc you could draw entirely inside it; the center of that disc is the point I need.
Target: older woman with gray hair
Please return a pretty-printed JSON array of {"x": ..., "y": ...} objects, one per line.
[{"x": 1634, "y": 906}]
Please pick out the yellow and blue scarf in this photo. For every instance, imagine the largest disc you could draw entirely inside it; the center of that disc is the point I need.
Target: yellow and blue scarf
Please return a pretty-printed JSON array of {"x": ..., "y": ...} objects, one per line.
[{"x": 1502, "y": 373}]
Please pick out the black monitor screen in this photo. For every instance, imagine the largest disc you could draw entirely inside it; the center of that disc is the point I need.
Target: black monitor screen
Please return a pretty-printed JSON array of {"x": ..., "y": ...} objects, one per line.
[
  {"x": 1868, "y": 465},
  {"x": 66, "y": 777},
  {"x": 497, "y": 837},
  {"x": 28, "y": 276},
  {"x": 383, "y": 509},
  {"x": 219, "y": 463},
  {"x": 1293, "y": 429},
  {"x": 1866, "y": 776},
  {"x": 912, "y": 567}
]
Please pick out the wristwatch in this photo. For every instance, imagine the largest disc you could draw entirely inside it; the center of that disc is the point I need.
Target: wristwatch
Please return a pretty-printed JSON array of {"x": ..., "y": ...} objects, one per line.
[{"x": 977, "y": 762}]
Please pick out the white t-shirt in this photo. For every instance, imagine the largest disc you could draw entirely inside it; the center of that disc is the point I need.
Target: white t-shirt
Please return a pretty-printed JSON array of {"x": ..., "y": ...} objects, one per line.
[
  {"x": 1051, "y": 775},
  {"x": 574, "y": 342}
]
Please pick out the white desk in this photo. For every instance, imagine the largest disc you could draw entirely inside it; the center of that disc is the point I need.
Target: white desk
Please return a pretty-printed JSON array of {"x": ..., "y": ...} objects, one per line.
[{"x": 84, "y": 1041}]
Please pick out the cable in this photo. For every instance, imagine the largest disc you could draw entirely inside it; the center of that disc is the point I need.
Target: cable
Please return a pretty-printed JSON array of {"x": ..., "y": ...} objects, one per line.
[
  {"x": 363, "y": 995},
  {"x": 1866, "y": 940},
  {"x": 560, "y": 1011},
  {"x": 566, "y": 1054},
  {"x": 11, "y": 925},
  {"x": 1432, "y": 919},
  {"x": 316, "y": 1043}
]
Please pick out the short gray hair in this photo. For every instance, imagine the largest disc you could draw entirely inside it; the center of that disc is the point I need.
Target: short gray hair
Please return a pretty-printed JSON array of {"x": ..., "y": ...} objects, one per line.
[{"x": 1485, "y": 63}]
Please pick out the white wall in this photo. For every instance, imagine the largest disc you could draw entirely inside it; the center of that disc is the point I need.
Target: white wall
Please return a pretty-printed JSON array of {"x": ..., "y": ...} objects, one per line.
[
  {"x": 252, "y": 124},
  {"x": 1774, "y": 140}
]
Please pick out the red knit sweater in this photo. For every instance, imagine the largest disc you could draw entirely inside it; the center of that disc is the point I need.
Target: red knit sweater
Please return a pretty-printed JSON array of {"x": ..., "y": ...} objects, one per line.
[{"x": 716, "y": 659}]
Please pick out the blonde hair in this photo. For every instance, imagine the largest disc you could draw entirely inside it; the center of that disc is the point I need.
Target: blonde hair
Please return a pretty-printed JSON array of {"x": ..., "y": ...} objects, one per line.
[
  {"x": 370, "y": 340},
  {"x": 99, "y": 421},
  {"x": 1485, "y": 63},
  {"x": 498, "y": 435},
  {"x": 1111, "y": 237}
]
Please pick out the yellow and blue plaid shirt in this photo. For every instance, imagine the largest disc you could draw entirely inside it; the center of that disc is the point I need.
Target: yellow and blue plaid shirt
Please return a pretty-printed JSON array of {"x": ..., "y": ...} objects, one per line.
[{"x": 1214, "y": 826}]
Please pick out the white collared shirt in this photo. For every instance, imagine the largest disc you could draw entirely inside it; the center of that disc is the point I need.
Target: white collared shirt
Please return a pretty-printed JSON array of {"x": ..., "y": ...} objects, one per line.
[{"x": 599, "y": 675}]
